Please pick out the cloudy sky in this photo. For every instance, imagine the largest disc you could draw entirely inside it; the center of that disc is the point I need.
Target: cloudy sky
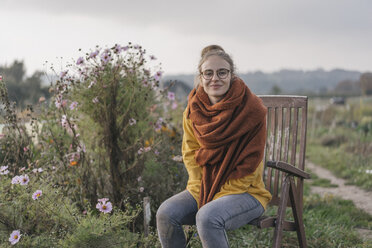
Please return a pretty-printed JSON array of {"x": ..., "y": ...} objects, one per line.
[{"x": 265, "y": 35}]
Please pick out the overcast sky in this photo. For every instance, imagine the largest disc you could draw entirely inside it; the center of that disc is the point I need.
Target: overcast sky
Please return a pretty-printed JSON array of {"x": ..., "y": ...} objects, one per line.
[{"x": 266, "y": 35}]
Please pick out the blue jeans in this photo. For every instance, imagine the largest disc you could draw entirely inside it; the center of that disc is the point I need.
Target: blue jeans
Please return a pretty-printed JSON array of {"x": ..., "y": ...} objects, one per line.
[{"x": 226, "y": 213}]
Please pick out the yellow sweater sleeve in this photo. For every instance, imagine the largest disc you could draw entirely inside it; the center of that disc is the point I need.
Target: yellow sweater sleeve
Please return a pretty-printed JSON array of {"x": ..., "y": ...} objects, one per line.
[
  {"x": 252, "y": 183},
  {"x": 189, "y": 146}
]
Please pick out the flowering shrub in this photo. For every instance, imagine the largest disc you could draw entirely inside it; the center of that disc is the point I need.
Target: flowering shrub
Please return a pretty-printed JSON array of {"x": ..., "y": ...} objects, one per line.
[{"x": 108, "y": 131}]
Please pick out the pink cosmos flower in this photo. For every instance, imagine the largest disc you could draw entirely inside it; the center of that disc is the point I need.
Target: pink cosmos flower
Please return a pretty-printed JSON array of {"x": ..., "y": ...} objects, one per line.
[
  {"x": 171, "y": 96},
  {"x": 24, "y": 179},
  {"x": 25, "y": 149},
  {"x": 104, "y": 206},
  {"x": 174, "y": 105},
  {"x": 132, "y": 121},
  {"x": 91, "y": 84},
  {"x": 105, "y": 57},
  {"x": 103, "y": 200},
  {"x": 73, "y": 105},
  {"x": 80, "y": 61},
  {"x": 3, "y": 170},
  {"x": 157, "y": 76},
  {"x": 140, "y": 151},
  {"x": 177, "y": 158},
  {"x": 93, "y": 54},
  {"x": 117, "y": 48},
  {"x": 36, "y": 195},
  {"x": 147, "y": 149},
  {"x": 16, "y": 180},
  {"x": 63, "y": 74},
  {"x": 1, "y": 78},
  {"x": 14, "y": 237}
]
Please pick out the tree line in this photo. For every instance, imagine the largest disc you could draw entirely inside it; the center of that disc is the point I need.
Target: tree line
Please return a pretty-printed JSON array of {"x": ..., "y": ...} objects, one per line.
[{"x": 22, "y": 89}]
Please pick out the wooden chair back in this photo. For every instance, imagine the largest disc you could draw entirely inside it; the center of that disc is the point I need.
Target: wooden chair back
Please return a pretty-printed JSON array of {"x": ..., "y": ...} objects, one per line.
[
  {"x": 286, "y": 140},
  {"x": 285, "y": 164}
]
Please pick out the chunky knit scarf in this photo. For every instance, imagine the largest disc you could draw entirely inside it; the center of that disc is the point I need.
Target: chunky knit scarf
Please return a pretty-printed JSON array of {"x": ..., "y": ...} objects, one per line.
[{"x": 231, "y": 134}]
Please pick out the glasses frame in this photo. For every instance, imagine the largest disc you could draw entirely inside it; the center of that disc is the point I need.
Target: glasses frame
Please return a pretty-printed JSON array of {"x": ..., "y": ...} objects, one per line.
[{"x": 215, "y": 72}]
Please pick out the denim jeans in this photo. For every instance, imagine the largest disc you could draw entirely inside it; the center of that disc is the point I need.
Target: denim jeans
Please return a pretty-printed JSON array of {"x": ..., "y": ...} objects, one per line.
[{"x": 225, "y": 213}]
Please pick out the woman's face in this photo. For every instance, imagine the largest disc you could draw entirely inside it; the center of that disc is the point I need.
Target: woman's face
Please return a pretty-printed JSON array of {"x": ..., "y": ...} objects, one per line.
[{"x": 219, "y": 83}]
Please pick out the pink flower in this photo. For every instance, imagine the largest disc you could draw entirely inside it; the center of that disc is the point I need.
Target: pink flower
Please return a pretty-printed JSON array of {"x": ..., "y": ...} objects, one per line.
[
  {"x": 177, "y": 158},
  {"x": 14, "y": 237},
  {"x": 147, "y": 149},
  {"x": 117, "y": 48},
  {"x": 24, "y": 179},
  {"x": 4, "y": 170},
  {"x": 140, "y": 151},
  {"x": 16, "y": 180},
  {"x": 105, "y": 57},
  {"x": 103, "y": 200},
  {"x": 174, "y": 105},
  {"x": 73, "y": 105},
  {"x": 104, "y": 206},
  {"x": 80, "y": 61},
  {"x": 25, "y": 149},
  {"x": 171, "y": 96},
  {"x": 36, "y": 195},
  {"x": 132, "y": 121},
  {"x": 158, "y": 75},
  {"x": 63, "y": 74},
  {"x": 93, "y": 54},
  {"x": 1, "y": 78},
  {"x": 91, "y": 84}
]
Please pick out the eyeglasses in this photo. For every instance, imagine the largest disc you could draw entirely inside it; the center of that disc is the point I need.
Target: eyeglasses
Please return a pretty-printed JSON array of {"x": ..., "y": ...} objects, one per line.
[{"x": 221, "y": 74}]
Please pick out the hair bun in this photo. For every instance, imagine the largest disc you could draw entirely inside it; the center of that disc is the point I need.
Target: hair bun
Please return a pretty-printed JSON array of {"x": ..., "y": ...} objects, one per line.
[{"x": 211, "y": 48}]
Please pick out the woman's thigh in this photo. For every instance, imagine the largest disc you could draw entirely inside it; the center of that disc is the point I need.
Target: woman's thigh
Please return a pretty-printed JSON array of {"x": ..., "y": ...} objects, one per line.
[
  {"x": 231, "y": 211},
  {"x": 180, "y": 208}
]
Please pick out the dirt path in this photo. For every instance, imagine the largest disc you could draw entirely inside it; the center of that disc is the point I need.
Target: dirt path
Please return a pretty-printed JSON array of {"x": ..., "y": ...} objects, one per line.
[{"x": 361, "y": 198}]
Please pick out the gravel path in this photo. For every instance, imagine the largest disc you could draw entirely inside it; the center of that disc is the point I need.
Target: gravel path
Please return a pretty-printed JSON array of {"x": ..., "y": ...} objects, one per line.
[{"x": 361, "y": 198}]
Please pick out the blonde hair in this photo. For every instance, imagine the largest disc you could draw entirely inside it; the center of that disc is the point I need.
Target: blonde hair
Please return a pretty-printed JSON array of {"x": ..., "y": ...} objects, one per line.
[{"x": 210, "y": 51}]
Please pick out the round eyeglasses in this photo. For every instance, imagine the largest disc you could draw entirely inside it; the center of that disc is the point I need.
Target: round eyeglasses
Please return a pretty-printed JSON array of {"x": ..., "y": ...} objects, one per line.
[{"x": 221, "y": 74}]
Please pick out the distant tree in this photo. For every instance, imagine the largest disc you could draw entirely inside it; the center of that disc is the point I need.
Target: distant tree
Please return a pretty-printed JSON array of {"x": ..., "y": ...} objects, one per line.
[
  {"x": 365, "y": 83},
  {"x": 347, "y": 87},
  {"x": 21, "y": 89},
  {"x": 275, "y": 90}
]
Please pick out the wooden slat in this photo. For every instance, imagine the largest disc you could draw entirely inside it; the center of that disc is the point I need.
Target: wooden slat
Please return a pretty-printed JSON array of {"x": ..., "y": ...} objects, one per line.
[
  {"x": 294, "y": 136},
  {"x": 278, "y": 148},
  {"x": 284, "y": 101}
]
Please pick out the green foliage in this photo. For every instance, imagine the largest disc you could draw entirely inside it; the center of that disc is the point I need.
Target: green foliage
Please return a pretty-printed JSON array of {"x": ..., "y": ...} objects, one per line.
[{"x": 107, "y": 132}]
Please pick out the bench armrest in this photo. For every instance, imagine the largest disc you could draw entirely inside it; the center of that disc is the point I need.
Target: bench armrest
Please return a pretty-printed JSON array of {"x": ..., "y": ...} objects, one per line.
[{"x": 288, "y": 168}]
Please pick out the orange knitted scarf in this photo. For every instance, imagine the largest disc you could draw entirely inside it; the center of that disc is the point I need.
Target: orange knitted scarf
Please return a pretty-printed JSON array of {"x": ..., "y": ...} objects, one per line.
[{"x": 231, "y": 134}]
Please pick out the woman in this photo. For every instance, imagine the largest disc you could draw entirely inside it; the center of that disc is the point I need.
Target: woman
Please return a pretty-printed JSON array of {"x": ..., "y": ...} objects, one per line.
[{"x": 223, "y": 146}]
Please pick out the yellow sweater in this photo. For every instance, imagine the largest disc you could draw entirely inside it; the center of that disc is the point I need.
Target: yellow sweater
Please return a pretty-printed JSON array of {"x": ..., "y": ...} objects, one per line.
[{"x": 252, "y": 183}]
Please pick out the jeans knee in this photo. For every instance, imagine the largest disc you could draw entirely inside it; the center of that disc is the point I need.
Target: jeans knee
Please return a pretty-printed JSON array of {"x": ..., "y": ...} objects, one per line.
[{"x": 206, "y": 219}]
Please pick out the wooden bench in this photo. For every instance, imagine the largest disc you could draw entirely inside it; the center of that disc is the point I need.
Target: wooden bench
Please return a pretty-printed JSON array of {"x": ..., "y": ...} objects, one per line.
[{"x": 285, "y": 163}]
